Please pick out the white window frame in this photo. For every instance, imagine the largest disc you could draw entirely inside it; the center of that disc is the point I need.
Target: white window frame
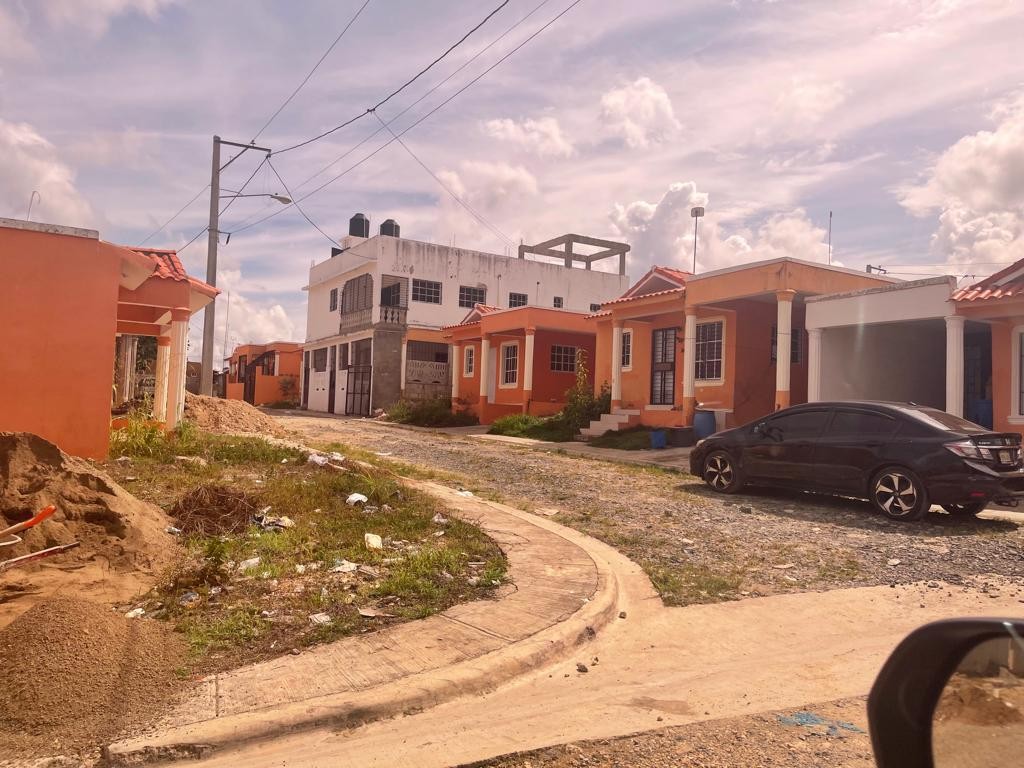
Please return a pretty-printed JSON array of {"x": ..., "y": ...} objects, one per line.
[
  {"x": 627, "y": 334},
  {"x": 1015, "y": 417},
  {"x": 501, "y": 362},
  {"x": 551, "y": 362},
  {"x": 468, "y": 362},
  {"x": 725, "y": 326}
]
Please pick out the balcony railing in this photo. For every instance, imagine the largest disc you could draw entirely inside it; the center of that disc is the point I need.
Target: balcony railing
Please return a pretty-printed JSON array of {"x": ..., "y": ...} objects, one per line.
[
  {"x": 393, "y": 315},
  {"x": 356, "y": 320}
]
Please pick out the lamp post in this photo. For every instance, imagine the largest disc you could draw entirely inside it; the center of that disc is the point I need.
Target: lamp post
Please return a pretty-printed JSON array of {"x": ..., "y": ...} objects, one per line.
[
  {"x": 206, "y": 373},
  {"x": 696, "y": 212}
]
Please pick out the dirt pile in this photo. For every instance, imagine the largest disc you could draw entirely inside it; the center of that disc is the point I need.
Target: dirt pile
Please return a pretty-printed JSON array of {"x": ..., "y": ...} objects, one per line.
[
  {"x": 981, "y": 701},
  {"x": 212, "y": 510},
  {"x": 75, "y": 674},
  {"x": 215, "y": 414},
  {"x": 123, "y": 540}
]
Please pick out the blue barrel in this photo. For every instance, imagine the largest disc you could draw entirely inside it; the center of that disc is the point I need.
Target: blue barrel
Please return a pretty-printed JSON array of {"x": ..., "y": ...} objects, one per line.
[
  {"x": 659, "y": 438},
  {"x": 704, "y": 424}
]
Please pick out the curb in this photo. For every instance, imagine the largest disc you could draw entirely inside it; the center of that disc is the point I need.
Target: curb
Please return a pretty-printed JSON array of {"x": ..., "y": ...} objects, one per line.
[{"x": 400, "y": 697}]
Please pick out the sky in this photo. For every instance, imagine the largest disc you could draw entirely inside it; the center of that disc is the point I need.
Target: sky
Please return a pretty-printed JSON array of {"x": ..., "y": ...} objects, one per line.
[{"x": 904, "y": 118}]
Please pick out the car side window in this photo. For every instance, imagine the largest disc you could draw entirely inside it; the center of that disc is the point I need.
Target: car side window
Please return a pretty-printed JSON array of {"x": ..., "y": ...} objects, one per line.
[
  {"x": 856, "y": 424},
  {"x": 796, "y": 426}
]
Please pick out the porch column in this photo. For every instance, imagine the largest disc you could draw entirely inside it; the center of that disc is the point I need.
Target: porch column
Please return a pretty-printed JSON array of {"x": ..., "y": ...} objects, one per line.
[
  {"x": 955, "y": 365},
  {"x": 528, "y": 370},
  {"x": 121, "y": 371},
  {"x": 401, "y": 374},
  {"x": 485, "y": 371},
  {"x": 616, "y": 365},
  {"x": 813, "y": 365},
  {"x": 176, "y": 375},
  {"x": 163, "y": 354},
  {"x": 456, "y": 368},
  {"x": 689, "y": 370},
  {"x": 784, "y": 334}
]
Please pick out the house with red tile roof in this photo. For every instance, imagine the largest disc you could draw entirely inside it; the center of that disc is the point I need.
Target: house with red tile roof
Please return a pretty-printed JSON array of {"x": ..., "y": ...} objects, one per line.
[{"x": 70, "y": 331}]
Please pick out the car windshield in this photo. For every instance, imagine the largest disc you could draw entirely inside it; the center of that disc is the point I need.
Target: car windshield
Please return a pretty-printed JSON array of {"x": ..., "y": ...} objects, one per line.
[{"x": 942, "y": 420}]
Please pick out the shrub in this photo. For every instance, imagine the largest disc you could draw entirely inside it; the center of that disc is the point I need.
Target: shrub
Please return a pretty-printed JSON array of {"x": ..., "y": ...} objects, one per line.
[
  {"x": 581, "y": 405},
  {"x": 430, "y": 413},
  {"x": 553, "y": 428}
]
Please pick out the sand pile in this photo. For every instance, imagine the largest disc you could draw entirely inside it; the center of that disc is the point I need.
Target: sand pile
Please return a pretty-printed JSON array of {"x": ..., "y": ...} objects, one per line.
[
  {"x": 982, "y": 700},
  {"x": 215, "y": 414},
  {"x": 73, "y": 675}
]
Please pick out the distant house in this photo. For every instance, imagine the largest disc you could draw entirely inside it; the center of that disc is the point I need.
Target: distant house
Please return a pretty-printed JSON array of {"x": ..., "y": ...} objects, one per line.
[
  {"x": 262, "y": 374},
  {"x": 69, "y": 329},
  {"x": 376, "y": 308},
  {"x": 520, "y": 360}
]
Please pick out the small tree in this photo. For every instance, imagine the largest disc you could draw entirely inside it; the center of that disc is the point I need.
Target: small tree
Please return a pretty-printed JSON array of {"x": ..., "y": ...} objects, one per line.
[
  {"x": 581, "y": 405},
  {"x": 290, "y": 389}
]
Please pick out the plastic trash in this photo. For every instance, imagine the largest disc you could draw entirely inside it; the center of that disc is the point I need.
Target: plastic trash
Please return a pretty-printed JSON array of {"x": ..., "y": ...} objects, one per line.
[
  {"x": 356, "y": 498},
  {"x": 248, "y": 565},
  {"x": 439, "y": 519},
  {"x": 188, "y": 599},
  {"x": 319, "y": 619},
  {"x": 344, "y": 566},
  {"x": 316, "y": 458},
  {"x": 135, "y": 613},
  {"x": 373, "y": 541}
]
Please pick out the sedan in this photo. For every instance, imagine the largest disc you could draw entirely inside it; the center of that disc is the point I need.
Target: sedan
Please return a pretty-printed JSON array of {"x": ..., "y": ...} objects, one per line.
[{"x": 902, "y": 457}]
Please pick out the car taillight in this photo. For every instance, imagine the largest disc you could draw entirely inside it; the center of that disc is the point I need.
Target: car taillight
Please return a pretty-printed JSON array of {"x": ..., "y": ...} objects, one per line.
[{"x": 969, "y": 450}]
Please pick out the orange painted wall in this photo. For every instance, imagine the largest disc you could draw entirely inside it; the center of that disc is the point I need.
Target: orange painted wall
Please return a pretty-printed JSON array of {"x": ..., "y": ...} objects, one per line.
[
  {"x": 602, "y": 362},
  {"x": 1002, "y": 375},
  {"x": 550, "y": 386},
  {"x": 268, "y": 388},
  {"x": 469, "y": 386},
  {"x": 58, "y": 322}
]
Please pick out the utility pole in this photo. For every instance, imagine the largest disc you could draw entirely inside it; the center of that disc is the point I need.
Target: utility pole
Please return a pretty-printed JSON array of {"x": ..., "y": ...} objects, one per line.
[
  {"x": 696, "y": 212},
  {"x": 210, "y": 313}
]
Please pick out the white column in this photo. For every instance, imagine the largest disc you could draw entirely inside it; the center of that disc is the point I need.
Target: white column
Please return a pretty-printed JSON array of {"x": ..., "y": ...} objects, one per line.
[
  {"x": 783, "y": 341},
  {"x": 163, "y": 354},
  {"x": 955, "y": 365},
  {"x": 528, "y": 362},
  {"x": 617, "y": 362},
  {"x": 485, "y": 365},
  {"x": 456, "y": 368},
  {"x": 689, "y": 355},
  {"x": 813, "y": 365},
  {"x": 176, "y": 375}
]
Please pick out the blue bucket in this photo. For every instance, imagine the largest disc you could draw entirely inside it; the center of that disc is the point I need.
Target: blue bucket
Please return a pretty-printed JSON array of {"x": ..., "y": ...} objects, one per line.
[
  {"x": 659, "y": 438},
  {"x": 704, "y": 424}
]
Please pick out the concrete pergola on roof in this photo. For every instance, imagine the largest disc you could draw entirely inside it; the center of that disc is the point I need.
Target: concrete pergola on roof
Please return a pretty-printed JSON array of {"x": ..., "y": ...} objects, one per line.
[{"x": 567, "y": 242}]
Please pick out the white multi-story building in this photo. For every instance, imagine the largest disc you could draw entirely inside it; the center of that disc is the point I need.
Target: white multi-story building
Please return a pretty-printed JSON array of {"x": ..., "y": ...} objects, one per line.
[{"x": 375, "y": 309}]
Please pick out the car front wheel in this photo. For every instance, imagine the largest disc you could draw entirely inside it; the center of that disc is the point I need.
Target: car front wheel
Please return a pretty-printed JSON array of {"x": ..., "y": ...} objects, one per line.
[
  {"x": 899, "y": 494},
  {"x": 721, "y": 473},
  {"x": 965, "y": 510}
]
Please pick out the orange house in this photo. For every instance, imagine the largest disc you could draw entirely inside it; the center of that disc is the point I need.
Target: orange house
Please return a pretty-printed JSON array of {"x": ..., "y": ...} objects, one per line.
[
  {"x": 730, "y": 341},
  {"x": 262, "y": 374},
  {"x": 72, "y": 296},
  {"x": 520, "y": 360}
]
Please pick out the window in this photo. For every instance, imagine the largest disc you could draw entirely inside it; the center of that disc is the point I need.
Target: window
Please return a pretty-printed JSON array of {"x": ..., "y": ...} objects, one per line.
[
  {"x": 627, "y": 349},
  {"x": 342, "y": 357},
  {"x": 663, "y": 367},
  {"x": 469, "y": 296},
  {"x": 468, "y": 361},
  {"x": 334, "y": 299},
  {"x": 268, "y": 364},
  {"x": 795, "y": 345},
  {"x": 320, "y": 360},
  {"x": 357, "y": 294},
  {"x": 708, "y": 358},
  {"x": 362, "y": 352},
  {"x": 558, "y": 302},
  {"x": 796, "y": 426},
  {"x": 595, "y": 307},
  {"x": 509, "y": 364},
  {"x": 517, "y": 300},
  {"x": 426, "y": 291},
  {"x": 856, "y": 424},
  {"x": 563, "y": 359},
  {"x": 391, "y": 295},
  {"x": 242, "y": 361}
]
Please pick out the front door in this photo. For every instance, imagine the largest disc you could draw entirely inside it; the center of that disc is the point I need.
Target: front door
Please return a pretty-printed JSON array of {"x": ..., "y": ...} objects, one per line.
[
  {"x": 305, "y": 380},
  {"x": 357, "y": 393},
  {"x": 783, "y": 448},
  {"x": 249, "y": 388},
  {"x": 332, "y": 379},
  {"x": 663, "y": 366}
]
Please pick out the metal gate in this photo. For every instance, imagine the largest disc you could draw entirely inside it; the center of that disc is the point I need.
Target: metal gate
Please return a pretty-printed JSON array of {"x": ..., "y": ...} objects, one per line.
[
  {"x": 357, "y": 396},
  {"x": 332, "y": 364}
]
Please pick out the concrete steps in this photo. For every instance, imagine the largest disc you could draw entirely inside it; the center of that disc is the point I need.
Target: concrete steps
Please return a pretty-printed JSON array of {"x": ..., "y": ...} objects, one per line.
[{"x": 619, "y": 418}]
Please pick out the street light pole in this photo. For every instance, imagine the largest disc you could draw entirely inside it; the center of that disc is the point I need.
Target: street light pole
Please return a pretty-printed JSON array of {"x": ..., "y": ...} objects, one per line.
[{"x": 696, "y": 212}]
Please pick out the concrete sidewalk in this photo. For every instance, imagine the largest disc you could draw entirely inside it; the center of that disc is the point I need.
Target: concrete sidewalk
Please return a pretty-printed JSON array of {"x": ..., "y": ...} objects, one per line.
[{"x": 561, "y": 597}]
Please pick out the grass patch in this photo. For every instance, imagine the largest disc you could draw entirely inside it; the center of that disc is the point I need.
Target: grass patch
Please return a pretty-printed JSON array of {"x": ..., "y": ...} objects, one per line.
[
  {"x": 552, "y": 428},
  {"x": 632, "y": 439},
  {"x": 688, "y": 584},
  {"x": 430, "y": 413}
]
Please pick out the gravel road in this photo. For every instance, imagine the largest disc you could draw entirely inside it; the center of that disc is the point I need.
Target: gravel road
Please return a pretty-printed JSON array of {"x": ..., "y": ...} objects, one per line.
[{"x": 698, "y": 546}]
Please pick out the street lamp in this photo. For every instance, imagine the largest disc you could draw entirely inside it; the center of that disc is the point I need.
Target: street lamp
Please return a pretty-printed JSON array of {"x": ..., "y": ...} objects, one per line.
[
  {"x": 696, "y": 212},
  {"x": 206, "y": 373}
]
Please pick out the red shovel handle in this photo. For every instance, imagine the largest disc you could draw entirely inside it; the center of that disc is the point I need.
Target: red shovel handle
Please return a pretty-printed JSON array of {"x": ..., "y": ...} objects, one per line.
[{"x": 43, "y": 514}]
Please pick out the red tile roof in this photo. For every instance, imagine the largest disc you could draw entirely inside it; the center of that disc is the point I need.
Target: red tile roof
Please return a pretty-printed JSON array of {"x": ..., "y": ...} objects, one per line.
[
  {"x": 674, "y": 274},
  {"x": 643, "y": 296},
  {"x": 168, "y": 266},
  {"x": 1004, "y": 284}
]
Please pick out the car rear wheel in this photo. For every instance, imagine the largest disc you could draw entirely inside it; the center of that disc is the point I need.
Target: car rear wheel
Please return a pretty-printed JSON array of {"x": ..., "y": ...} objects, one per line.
[
  {"x": 965, "y": 510},
  {"x": 899, "y": 494},
  {"x": 721, "y": 473}
]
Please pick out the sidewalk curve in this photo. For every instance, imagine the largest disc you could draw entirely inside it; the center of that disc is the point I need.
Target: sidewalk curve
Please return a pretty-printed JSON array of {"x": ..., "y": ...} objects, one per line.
[{"x": 565, "y": 590}]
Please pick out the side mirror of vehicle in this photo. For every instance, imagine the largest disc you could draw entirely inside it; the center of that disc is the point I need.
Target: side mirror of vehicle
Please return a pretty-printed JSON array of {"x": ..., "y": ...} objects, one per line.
[
  {"x": 951, "y": 695},
  {"x": 759, "y": 428}
]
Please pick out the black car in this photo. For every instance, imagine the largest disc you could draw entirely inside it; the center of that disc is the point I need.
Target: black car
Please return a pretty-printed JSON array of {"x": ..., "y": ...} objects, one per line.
[{"x": 900, "y": 456}]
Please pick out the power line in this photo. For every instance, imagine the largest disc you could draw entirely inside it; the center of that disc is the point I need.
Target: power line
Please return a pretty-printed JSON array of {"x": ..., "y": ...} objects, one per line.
[
  {"x": 445, "y": 187},
  {"x": 181, "y": 210},
  {"x": 401, "y": 88},
  {"x": 421, "y": 119},
  {"x": 299, "y": 207},
  {"x": 314, "y": 69}
]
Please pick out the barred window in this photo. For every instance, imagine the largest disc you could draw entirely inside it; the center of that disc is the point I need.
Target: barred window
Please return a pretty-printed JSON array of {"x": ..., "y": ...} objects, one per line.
[
  {"x": 708, "y": 357},
  {"x": 320, "y": 360},
  {"x": 627, "y": 349},
  {"x": 563, "y": 358},
  {"x": 469, "y": 296},
  {"x": 595, "y": 307},
  {"x": 426, "y": 291},
  {"x": 517, "y": 300},
  {"x": 558, "y": 302},
  {"x": 468, "y": 361},
  {"x": 663, "y": 366},
  {"x": 334, "y": 299},
  {"x": 510, "y": 364}
]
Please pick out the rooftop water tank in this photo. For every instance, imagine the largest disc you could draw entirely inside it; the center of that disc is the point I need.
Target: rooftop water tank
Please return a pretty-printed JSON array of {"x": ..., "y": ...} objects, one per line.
[
  {"x": 359, "y": 226},
  {"x": 390, "y": 228}
]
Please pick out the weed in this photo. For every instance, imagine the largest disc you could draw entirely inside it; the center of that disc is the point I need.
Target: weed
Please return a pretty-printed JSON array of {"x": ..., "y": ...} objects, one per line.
[
  {"x": 430, "y": 413},
  {"x": 633, "y": 439}
]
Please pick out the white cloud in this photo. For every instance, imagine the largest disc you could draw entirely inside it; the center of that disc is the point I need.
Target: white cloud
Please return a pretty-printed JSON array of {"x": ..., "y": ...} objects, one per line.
[
  {"x": 95, "y": 15},
  {"x": 542, "y": 136},
  {"x": 29, "y": 162},
  {"x": 977, "y": 188},
  {"x": 496, "y": 191},
  {"x": 13, "y": 41},
  {"x": 640, "y": 114},
  {"x": 123, "y": 149},
  {"x": 800, "y": 108}
]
